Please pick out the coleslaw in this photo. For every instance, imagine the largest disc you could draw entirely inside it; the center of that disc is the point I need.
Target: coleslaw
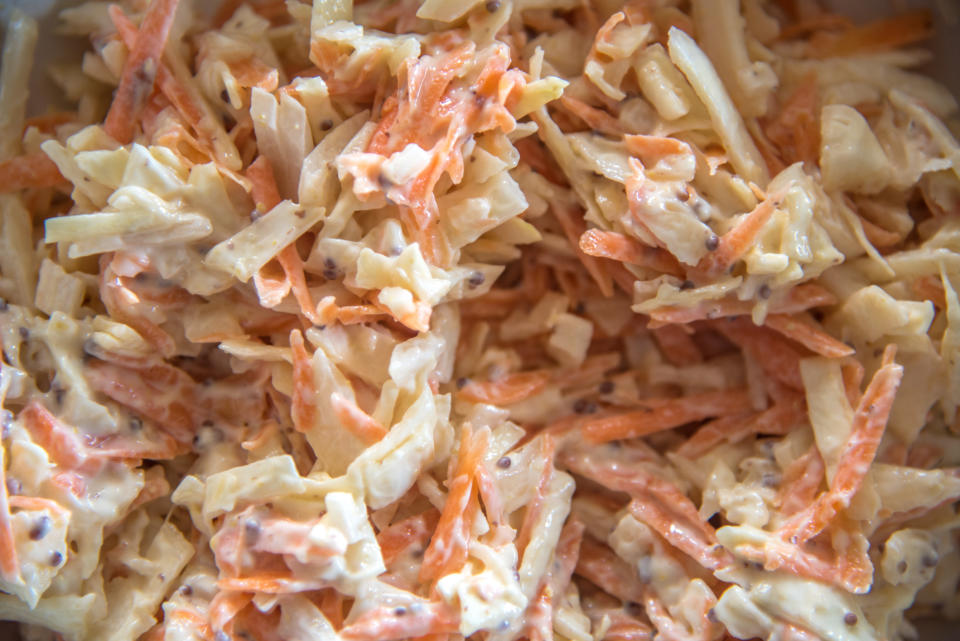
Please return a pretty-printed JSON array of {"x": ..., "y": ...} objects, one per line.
[{"x": 508, "y": 319}]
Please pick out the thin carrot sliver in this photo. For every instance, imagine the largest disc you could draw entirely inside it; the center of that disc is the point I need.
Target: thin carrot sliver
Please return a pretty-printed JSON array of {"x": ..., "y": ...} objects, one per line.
[
  {"x": 293, "y": 268},
  {"x": 447, "y": 551},
  {"x": 879, "y": 35},
  {"x": 815, "y": 340},
  {"x": 9, "y": 565},
  {"x": 263, "y": 184},
  {"x": 573, "y": 229},
  {"x": 400, "y": 536},
  {"x": 510, "y": 389},
  {"x": 536, "y": 504},
  {"x": 31, "y": 170},
  {"x": 304, "y": 406},
  {"x": 60, "y": 442},
  {"x": 608, "y": 244},
  {"x": 356, "y": 420},
  {"x": 778, "y": 359},
  {"x": 596, "y": 119},
  {"x": 677, "y": 345},
  {"x": 736, "y": 242},
  {"x": 665, "y": 414},
  {"x": 801, "y": 479},
  {"x": 140, "y": 70},
  {"x": 598, "y": 564},
  {"x": 386, "y": 624},
  {"x": 858, "y": 453}
]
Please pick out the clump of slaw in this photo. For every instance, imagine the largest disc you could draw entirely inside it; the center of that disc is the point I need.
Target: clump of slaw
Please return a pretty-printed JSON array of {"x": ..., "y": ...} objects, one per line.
[{"x": 499, "y": 320}]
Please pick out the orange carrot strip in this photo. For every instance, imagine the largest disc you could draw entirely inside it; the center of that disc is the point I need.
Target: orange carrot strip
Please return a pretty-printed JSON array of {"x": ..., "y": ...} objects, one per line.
[
  {"x": 878, "y": 236},
  {"x": 778, "y": 359},
  {"x": 677, "y": 345},
  {"x": 801, "y": 479},
  {"x": 184, "y": 99},
  {"x": 304, "y": 406},
  {"x": 596, "y": 119},
  {"x": 35, "y": 504},
  {"x": 535, "y": 505},
  {"x": 292, "y": 265},
  {"x": 9, "y": 565},
  {"x": 780, "y": 555},
  {"x": 512, "y": 388},
  {"x": 47, "y": 123},
  {"x": 59, "y": 441},
  {"x": 869, "y": 422},
  {"x": 608, "y": 244},
  {"x": 711, "y": 433},
  {"x": 796, "y": 130},
  {"x": 140, "y": 69},
  {"x": 356, "y": 420},
  {"x": 779, "y": 419},
  {"x": 817, "y": 341},
  {"x": 598, "y": 564},
  {"x": 390, "y": 623},
  {"x": 880, "y": 35},
  {"x": 263, "y": 184},
  {"x": 447, "y": 551},
  {"x": 736, "y": 242},
  {"x": 658, "y": 503},
  {"x": 414, "y": 530},
  {"x": 573, "y": 228},
  {"x": 224, "y": 608},
  {"x": 31, "y": 170},
  {"x": 930, "y": 288},
  {"x": 818, "y": 22},
  {"x": 162, "y": 393},
  {"x": 269, "y": 584},
  {"x": 538, "y": 619},
  {"x": 664, "y": 414}
]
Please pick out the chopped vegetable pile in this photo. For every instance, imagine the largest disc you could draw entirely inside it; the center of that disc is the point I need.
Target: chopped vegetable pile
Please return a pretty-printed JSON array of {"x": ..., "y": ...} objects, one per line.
[{"x": 518, "y": 319}]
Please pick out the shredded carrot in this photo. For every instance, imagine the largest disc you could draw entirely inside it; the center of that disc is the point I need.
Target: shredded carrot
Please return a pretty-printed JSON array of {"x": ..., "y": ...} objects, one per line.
[
  {"x": 661, "y": 505},
  {"x": 9, "y": 565},
  {"x": 881, "y": 35},
  {"x": 858, "y": 453},
  {"x": 736, "y": 242},
  {"x": 658, "y": 415},
  {"x": 510, "y": 389},
  {"x": 162, "y": 393},
  {"x": 878, "y": 236},
  {"x": 596, "y": 119},
  {"x": 263, "y": 184},
  {"x": 779, "y": 360},
  {"x": 573, "y": 228},
  {"x": 60, "y": 441},
  {"x": 304, "y": 406},
  {"x": 796, "y": 129},
  {"x": 801, "y": 480},
  {"x": 390, "y": 624},
  {"x": 598, "y": 564},
  {"x": 447, "y": 551},
  {"x": 414, "y": 530},
  {"x": 32, "y": 170},
  {"x": 140, "y": 69},
  {"x": 48, "y": 123},
  {"x": 608, "y": 244},
  {"x": 356, "y": 420},
  {"x": 817, "y": 341},
  {"x": 536, "y": 504},
  {"x": 677, "y": 345}
]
